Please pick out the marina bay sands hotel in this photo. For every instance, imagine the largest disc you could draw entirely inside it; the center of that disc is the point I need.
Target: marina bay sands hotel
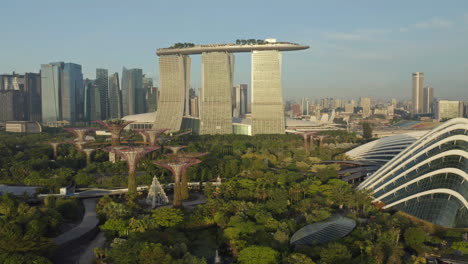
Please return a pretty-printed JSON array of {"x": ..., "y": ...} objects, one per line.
[{"x": 217, "y": 82}]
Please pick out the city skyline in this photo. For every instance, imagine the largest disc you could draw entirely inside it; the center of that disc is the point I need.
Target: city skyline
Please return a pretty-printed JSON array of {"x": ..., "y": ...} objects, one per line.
[{"x": 372, "y": 54}]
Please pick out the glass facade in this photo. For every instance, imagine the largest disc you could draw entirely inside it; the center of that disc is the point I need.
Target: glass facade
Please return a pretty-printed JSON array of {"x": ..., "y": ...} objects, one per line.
[
  {"x": 331, "y": 229},
  {"x": 102, "y": 83},
  {"x": 132, "y": 92},
  {"x": 429, "y": 179},
  {"x": 115, "y": 97}
]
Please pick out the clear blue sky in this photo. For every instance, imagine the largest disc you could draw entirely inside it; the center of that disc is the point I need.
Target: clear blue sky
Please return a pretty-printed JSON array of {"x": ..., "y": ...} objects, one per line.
[{"x": 358, "y": 48}]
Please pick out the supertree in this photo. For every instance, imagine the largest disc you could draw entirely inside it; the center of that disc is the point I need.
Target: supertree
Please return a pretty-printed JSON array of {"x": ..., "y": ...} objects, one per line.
[
  {"x": 79, "y": 144},
  {"x": 54, "y": 146},
  {"x": 177, "y": 165},
  {"x": 80, "y": 132},
  {"x": 321, "y": 138},
  {"x": 88, "y": 152},
  {"x": 305, "y": 136},
  {"x": 150, "y": 136},
  {"x": 115, "y": 127},
  {"x": 184, "y": 191},
  {"x": 131, "y": 155},
  {"x": 174, "y": 149}
]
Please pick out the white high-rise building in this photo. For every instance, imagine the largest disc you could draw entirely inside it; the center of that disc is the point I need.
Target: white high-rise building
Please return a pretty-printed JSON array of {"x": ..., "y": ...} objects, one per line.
[
  {"x": 428, "y": 98},
  {"x": 418, "y": 97},
  {"x": 446, "y": 109},
  {"x": 267, "y": 95},
  {"x": 215, "y": 99},
  {"x": 366, "y": 106}
]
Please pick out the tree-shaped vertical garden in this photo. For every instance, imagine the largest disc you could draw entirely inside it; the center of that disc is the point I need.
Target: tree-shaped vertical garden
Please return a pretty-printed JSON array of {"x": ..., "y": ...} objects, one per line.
[
  {"x": 131, "y": 155},
  {"x": 305, "y": 136},
  {"x": 80, "y": 141},
  {"x": 54, "y": 146},
  {"x": 80, "y": 132},
  {"x": 115, "y": 127},
  {"x": 178, "y": 163},
  {"x": 150, "y": 136},
  {"x": 88, "y": 152}
]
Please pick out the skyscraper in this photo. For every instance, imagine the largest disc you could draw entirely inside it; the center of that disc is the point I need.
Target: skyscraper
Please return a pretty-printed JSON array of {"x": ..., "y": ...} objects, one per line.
[
  {"x": 151, "y": 98},
  {"x": 305, "y": 106},
  {"x": 418, "y": 84},
  {"x": 26, "y": 98},
  {"x": 267, "y": 96},
  {"x": 32, "y": 86},
  {"x": 72, "y": 92},
  {"x": 102, "y": 84},
  {"x": 132, "y": 91},
  {"x": 62, "y": 92},
  {"x": 50, "y": 84},
  {"x": 12, "y": 105},
  {"x": 216, "y": 105},
  {"x": 115, "y": 97},
  {"x": 150, "y": 94},
  {"x": 428, "y": 98},
  {"x": 366, "y": 106},
  {"x": 93, "y": 101},
  {"x": 174, "y": 74},
  {"x": 239, "y": 100},
  {"x": 194, "y": 109}
]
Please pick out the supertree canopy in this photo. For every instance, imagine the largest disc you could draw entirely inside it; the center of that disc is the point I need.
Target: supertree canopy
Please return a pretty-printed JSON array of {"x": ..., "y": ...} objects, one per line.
[
  {"x": 184, "y": 191},
  {"x": 174, "y": 149},
  {"x": 178, "y": 166},
  {"x": 54, "y": 146},
  {"x": 80, "y": 132},
  {"x": 150, "y": 136},
  {"x": 115, "y": 127},
  {"x": 131, "y": 155}
]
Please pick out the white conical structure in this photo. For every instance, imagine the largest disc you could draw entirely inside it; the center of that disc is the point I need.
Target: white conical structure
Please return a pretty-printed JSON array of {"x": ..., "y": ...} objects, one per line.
[
  {"x": 156, "y": 194},
  {"x": 217, "y": 259}
]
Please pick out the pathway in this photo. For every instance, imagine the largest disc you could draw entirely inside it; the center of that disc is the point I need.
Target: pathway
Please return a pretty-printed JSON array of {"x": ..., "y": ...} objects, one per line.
[{"x": 88, "y": 223}]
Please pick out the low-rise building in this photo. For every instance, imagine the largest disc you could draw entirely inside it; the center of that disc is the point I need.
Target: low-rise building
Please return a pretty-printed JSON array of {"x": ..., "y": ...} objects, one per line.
[{"x": 23, "y": 127}]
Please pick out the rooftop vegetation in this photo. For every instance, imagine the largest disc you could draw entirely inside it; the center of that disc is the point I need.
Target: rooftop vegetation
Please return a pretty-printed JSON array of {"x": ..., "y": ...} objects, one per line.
[
  {"x": 179, "y": 45},
  {"x": 250, "y": 42}
]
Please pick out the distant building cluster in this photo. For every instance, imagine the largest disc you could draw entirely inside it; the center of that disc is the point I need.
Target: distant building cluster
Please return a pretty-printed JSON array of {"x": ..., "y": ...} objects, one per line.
[
  {"x": 58, "y": 95},
  {"x": 422, "y": 106}
]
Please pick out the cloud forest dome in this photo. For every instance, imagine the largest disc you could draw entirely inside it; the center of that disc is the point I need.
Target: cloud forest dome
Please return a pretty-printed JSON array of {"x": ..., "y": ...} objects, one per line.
[
  {"x": 428, "y": 179},
  {"x": 384, "y": 149}
]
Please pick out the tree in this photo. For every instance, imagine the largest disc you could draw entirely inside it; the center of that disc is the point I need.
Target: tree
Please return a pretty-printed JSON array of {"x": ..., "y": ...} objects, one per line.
[
  {"x": 366, "y": 130},
  {"x": 153, "y": 253},
  {"x": 335, "y": 253},
  {"x": 298, "y": 258},
  {"x": 168, "y": 217},
  {"x": 414, "y": 236},
  {"x": 461, "y": 246},
  {"x": 258, "y": 255}
]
